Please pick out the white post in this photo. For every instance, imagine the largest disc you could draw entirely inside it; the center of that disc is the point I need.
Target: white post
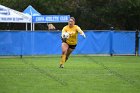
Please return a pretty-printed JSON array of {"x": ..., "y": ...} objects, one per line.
[
  {"x": 26, "y": 26},
  {"x": 31, "y": 20},
  {"x": 33, "y": 26}
]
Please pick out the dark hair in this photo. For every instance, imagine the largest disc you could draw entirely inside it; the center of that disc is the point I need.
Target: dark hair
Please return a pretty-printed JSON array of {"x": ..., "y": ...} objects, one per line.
[{"x": 72, "y": 18}]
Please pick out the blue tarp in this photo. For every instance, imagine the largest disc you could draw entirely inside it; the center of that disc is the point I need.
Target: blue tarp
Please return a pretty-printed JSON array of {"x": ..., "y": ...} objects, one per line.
[
  {"x": 123, "y": 42},
  {"x": 43, "y": 43},
  {"x": 31, "y": 11},
  {"x": 10, "y": 43},
  {"x": 30, "y": 43},
  {"x": 95, "y": 43}
]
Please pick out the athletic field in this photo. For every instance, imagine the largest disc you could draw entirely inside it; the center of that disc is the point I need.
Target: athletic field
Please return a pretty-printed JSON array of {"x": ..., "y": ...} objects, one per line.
[{"x": 82, "y": 74}]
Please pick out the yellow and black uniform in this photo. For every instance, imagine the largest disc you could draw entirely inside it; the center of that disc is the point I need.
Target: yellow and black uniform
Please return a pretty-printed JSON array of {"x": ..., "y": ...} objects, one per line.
[
  {"x": 73, "y": 31},
  {"x": 72, "y": 40}
]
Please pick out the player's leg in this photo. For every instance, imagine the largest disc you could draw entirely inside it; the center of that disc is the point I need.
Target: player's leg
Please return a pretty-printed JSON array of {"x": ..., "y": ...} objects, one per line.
[
  {"x": 64, "y": 52},
  {"x": 69, "y": 51}
]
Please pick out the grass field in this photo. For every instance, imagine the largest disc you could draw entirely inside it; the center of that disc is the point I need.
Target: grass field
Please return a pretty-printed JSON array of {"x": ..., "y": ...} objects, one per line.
[{"x": 82, "y": 74}]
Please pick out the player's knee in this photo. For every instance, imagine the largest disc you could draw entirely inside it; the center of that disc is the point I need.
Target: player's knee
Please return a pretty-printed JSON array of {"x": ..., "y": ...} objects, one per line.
[{"x": 64, "y": 52}]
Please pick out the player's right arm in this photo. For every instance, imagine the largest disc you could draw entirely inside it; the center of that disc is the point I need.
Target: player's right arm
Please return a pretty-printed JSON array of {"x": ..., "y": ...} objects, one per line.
[{"x": 63, "y": 30}]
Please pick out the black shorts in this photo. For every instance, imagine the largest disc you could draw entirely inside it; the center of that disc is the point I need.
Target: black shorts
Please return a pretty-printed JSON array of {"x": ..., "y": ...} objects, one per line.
[{"x": 70, "y": 46}]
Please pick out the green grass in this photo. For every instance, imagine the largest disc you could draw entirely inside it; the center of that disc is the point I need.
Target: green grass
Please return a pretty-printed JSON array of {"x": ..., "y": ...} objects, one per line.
[{"x": 82, "y": 74}]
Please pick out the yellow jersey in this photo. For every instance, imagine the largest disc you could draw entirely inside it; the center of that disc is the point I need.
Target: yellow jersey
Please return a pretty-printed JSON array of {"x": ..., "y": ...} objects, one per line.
[{"x": 73, "y": 31}]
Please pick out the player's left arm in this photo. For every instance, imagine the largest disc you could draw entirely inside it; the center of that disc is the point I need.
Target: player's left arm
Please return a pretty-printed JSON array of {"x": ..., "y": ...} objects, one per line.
[{"x": 81, "y": 32}]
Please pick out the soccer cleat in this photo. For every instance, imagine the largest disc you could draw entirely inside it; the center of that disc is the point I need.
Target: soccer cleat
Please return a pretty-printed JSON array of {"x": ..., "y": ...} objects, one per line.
[{"x": 61, "y": 66}]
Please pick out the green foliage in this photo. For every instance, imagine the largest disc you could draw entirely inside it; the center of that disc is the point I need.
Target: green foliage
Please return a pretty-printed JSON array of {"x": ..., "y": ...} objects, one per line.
[{"x": 89, "y": 14}]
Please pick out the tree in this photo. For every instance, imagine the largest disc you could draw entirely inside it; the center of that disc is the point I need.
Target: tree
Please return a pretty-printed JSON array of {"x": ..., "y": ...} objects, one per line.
[{"x": 89, "y": 14}]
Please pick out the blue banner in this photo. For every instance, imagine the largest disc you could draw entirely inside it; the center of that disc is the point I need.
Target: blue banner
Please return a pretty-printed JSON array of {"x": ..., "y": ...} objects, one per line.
[
  {"x": 123, "y": 43},
  {"x": 51, "y": 19}
]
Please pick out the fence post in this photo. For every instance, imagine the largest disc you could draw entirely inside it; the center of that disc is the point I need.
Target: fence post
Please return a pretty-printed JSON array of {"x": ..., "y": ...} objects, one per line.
[
  {"x": 21, "y": 44},
  {"x": 137, "y": 43},
  {"x": 111, "y": 42}
]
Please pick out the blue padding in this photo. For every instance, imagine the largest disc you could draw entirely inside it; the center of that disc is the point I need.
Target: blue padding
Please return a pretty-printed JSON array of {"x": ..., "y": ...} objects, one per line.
[
  {"x": 10, "y": 43},
  {"x": 95, "y": 43},
  {"x": 41, "y": 43},
  {"x": 123, "y": 43}
]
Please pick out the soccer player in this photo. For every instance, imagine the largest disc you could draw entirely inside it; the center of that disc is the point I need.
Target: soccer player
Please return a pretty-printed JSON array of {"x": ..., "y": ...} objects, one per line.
[{"x": 69, "y": 44}]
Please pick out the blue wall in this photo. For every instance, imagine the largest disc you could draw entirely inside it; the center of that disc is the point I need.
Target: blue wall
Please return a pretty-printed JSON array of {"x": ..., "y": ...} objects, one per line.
[{"x": 42, "y": 43}]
